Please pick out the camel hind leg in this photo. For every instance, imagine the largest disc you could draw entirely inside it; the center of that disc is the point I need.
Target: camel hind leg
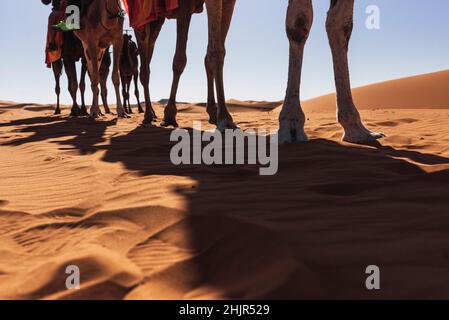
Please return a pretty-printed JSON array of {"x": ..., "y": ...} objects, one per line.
[
  {"x": 220, "y": 15},
  {"x": 117, "y": 50},
  {"x": 339, "y": 26},
  {"x": 57, "y": 72},
  {"x": 146, "y": 40},
  {"x": 136, "y": 90},
  {"x": 298, "y": 23},
  {"x": 70, "y": 70},
  {"x": 179, "y": 64},
  {"x": 104, "y": 74},
  {"x": 124, "y": 82}
]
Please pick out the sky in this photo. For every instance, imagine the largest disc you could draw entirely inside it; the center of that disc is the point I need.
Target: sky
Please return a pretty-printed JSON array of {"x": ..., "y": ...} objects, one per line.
[{"x": 412, "y": 39}]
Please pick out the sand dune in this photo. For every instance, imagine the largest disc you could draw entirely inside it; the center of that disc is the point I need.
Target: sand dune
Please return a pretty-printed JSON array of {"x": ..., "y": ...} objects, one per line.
[
  {"x": 104, "y": 196},
  {"x": 417, "y": 92}
]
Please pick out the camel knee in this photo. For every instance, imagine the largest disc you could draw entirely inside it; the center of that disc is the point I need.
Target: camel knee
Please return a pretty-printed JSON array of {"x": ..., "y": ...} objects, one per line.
[
  {"x": 298, "y": 28},
  {"x": 58, "y": 89},
  {"x": 179, "y": 63},
  {"x": 339, "y": 28},
  {"x": 215, "y": 57},
  {"x": 144, "y": 75}
]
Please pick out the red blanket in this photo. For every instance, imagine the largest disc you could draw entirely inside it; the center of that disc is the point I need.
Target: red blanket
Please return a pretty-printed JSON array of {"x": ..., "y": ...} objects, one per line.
[
  {"x": 142, "y": 12},
  {"x": 55, "y": 39}
]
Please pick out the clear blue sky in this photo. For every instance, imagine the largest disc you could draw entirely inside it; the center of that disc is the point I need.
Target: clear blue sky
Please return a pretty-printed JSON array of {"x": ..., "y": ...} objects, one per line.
[{"x": 413, "y": 39}]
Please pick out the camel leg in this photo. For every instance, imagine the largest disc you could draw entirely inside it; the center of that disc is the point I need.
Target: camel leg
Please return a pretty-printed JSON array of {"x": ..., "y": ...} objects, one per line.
[
  {"x": 82, "y": 86},
  {"x": 298, "y": 24},
  {"x": 124, "y": 84},
  {"x": 104, "y": 74},
  {"x": 146, "y": 40},
  {"x": 211, "y": 104},
  {"x": 339, "y": 26},
  {"x": 117, "y": 51},
  {"x": 70, "y": 70},
  {"x": 104, "y": 93},
  {"x": 220, "y": 16},
  {"x": 93, "y": 55},
  {"x": 57, "y": 72},
  {"x": 136, "y": 90},
  {"x": 179, "y": 64},
  {"x": 128, "y": 89}
]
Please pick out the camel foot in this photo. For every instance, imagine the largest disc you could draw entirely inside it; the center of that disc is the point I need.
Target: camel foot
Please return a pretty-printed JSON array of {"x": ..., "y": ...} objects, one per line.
[
  {"x": 95, "y": 113},
  {"x": 169, "y": 121},
  {"x": 107, "y": 111},
  {"x": 57, "y": 111},
  {"x": 212, "y": 111},
  {"x": 226, "y": 124},
  {"x": 83, "y": 111},
  {"x": 358, "y": 134},
  {"x": 291, "y": 130},
  {"x": 148, "y": 120},
  {"x": 123, "y": 116},
  {"x": 141, "y": 110},
  {"x": 75, "y": 112}
]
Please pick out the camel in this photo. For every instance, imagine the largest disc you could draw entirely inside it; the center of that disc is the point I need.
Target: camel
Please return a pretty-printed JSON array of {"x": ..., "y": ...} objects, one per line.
[
  {"x": 129, "y": 70},
  {"x": 72, "y": 52},
  {"x": 339, "y": 27},
  {"x": 146, "y": 40},
  {"x": 102, "y": 22}
]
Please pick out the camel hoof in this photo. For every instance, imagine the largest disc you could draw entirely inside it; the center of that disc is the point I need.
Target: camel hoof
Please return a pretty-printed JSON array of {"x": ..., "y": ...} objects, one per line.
[
  {"x": 291, "y": 131},
  {"x": 226, "y": 125},
  {"x": 75, "y": 112},
  {"x": 147, "y": 120},
  {"x": 212, "y": 120},
  {"x": 83, "y": 113},
  {"x": 358, "y": 134},
  {"x": 212, "y": 112},
  {"x": 141, "y": 111},
  {"x": 57, "y": 112},
  {"x": 124, "y": 116},
  {"x": 169, "y": 122}
]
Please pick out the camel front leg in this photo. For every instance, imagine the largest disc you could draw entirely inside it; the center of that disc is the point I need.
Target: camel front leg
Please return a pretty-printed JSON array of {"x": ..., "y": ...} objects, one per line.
[
  {"x": 82, "y": 86},
  {"x": 57, "y": 72},
  {"x": 117, "y": 51},
  {"x": 219, "y": 15},
  {"x": 94, "y": 57},
  {"x": 298, "y": 24},
  {"x": 146, "y": 40},
  {"x": 339, "y": 27},
  {"x": 179, "y": 64}
]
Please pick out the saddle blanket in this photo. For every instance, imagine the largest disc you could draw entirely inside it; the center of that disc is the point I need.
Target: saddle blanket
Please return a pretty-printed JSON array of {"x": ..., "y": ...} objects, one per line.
[{"x": 141, "y": 12}]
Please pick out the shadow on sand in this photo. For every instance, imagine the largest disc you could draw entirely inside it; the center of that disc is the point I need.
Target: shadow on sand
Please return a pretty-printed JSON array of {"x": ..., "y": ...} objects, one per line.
[{"x": 308, "y": 232}]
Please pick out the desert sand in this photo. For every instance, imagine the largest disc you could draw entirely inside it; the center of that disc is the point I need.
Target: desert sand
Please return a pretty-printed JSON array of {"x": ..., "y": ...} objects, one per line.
[{"x": 104, "y": 196}]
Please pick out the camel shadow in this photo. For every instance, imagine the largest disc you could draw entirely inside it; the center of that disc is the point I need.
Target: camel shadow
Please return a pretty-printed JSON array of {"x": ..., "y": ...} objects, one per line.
[
  {"x": 310, "y": 230},
  {"x": 84, "y": 133}
]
